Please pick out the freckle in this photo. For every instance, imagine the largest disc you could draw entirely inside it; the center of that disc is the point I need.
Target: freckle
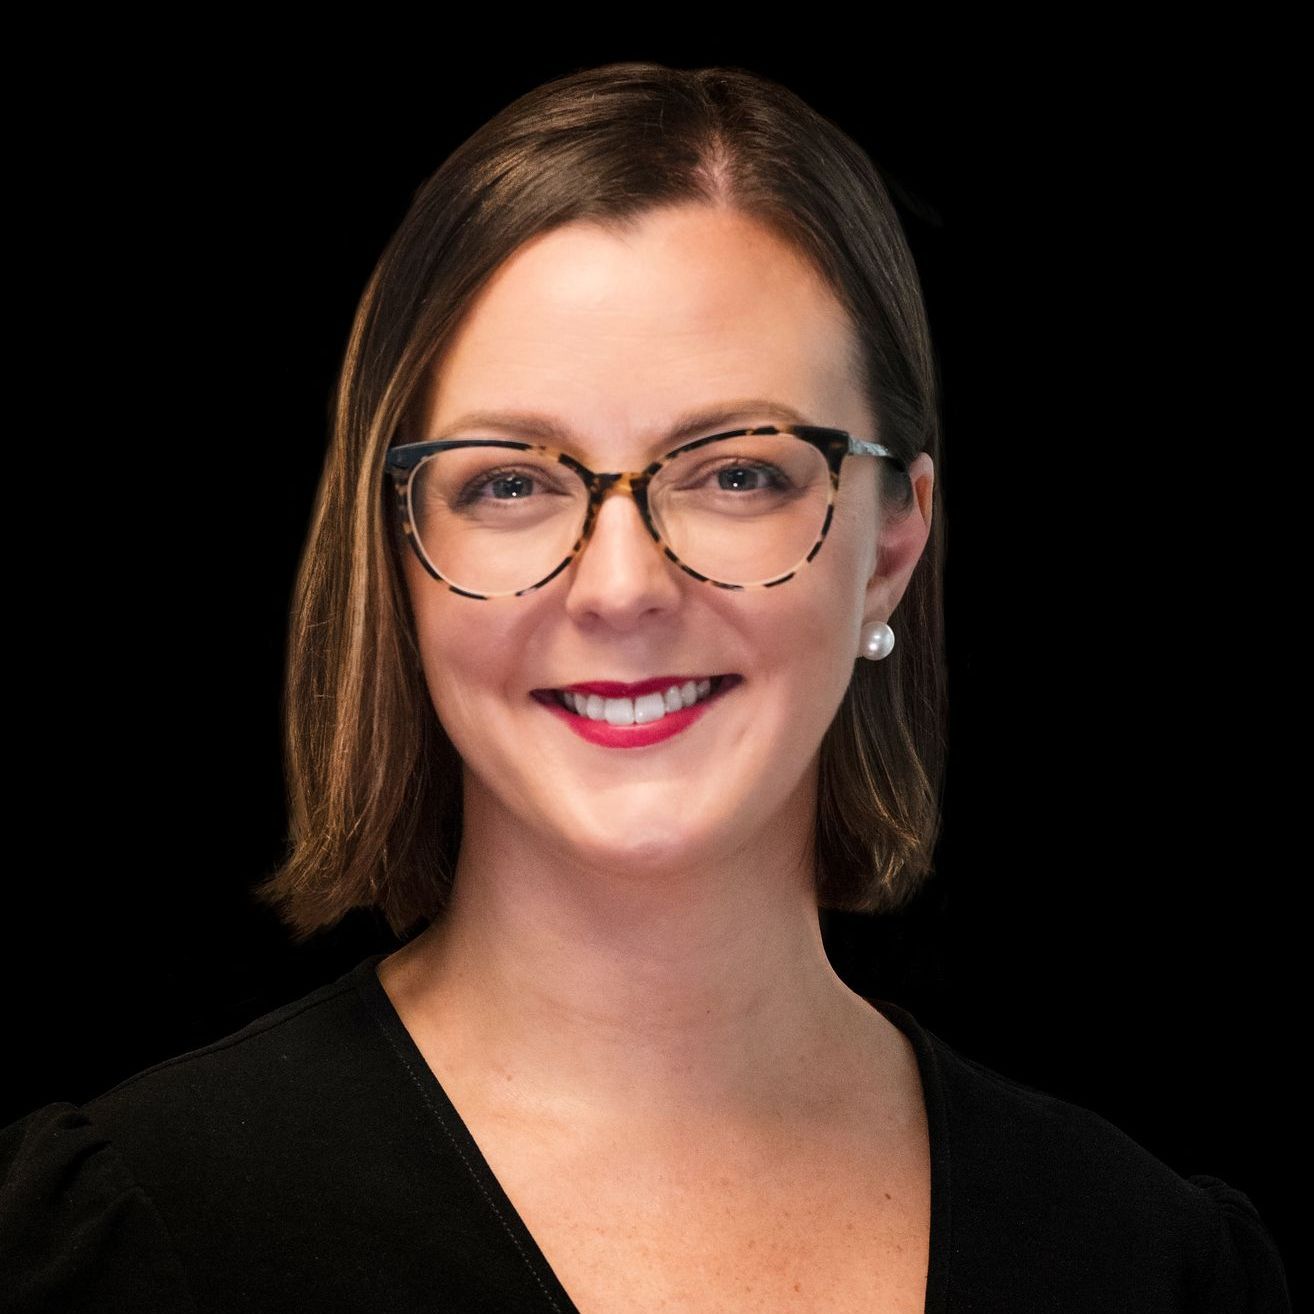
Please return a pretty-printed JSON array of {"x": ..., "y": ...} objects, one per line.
[
  {"x": 888, "y": 1196},
  {"x": 798, "y": 1286}
]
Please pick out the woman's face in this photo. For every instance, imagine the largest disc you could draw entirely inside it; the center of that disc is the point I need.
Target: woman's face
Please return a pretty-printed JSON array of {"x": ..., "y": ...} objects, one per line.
[{"x": 615, "y": 339}]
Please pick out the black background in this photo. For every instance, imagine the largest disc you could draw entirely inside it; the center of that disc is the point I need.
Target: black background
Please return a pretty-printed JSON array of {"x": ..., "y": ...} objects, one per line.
[{"x": 1099, "y": 234}]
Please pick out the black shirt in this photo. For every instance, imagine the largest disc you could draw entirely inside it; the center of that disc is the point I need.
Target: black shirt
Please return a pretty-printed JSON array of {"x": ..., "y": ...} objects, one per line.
[{"x": 312, "y": 1161}]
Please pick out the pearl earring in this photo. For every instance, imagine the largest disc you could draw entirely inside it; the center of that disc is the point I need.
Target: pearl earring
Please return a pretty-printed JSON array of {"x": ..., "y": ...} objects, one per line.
[{"x": 877, "y": 640}]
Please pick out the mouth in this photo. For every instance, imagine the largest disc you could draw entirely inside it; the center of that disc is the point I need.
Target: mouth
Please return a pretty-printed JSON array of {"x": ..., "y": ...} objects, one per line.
[{"x": 636, "y": 704}]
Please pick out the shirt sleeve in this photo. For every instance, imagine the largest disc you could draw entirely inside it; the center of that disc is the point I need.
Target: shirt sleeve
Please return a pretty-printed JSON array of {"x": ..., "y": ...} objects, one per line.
[
  {"x": 77, "y": 1232},
  {"x": 1248, "y": 1276}
]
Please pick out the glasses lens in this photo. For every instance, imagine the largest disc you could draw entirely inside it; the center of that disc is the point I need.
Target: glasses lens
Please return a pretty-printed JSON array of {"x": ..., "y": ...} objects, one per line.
[
  {"x": 743, "y": 510},
  {"x": 747, "y": 510},
  {"x": 496, "y": 519}
]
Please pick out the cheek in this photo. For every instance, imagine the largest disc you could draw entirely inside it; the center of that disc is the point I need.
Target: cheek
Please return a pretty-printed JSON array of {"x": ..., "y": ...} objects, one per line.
[
  {"x": 459, "y": 694},
  {"x": 804, "y": 647},
  {"x": 459, "y": 675},
  {"x": 823, "y": 633},
  {"x": 469, "y": 665},
  {"x": 445, "y": 665},
  {"x": 831, "y": 592}
]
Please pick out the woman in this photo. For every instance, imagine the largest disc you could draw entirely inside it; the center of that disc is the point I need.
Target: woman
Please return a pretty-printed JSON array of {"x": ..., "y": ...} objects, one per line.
[{"x": 594, "y": 692}]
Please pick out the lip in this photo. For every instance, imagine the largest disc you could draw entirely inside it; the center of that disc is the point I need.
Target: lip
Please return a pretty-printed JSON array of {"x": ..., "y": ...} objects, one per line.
[
  {"x": 606, "y": 735},
  {"x": 615, "y": 689}
]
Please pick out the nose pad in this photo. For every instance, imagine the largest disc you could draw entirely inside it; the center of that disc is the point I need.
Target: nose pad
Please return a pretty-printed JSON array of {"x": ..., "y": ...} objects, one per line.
[
  {"x": 619, "y": 525},
  {"x": 622, "y": 569}
]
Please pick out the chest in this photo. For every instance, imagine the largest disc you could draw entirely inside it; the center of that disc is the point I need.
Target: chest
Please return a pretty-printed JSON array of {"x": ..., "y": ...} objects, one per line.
[{"x": 826, "y": 1228}]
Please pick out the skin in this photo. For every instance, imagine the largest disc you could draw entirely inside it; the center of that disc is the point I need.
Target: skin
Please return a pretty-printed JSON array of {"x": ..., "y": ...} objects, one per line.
[{"x": 636, "y": 929}]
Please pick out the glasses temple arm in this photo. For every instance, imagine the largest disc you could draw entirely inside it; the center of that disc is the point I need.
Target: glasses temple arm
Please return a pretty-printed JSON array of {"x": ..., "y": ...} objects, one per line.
[{"x": 857, "y": 447}]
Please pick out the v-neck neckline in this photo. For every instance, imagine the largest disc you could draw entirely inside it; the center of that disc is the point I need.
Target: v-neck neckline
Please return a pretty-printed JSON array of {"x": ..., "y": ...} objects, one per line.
[{"x": 364, "y": 976}]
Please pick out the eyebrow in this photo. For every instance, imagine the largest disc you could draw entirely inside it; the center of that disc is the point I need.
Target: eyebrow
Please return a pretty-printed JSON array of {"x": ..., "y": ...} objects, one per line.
[{"x": 691, "y": 424}]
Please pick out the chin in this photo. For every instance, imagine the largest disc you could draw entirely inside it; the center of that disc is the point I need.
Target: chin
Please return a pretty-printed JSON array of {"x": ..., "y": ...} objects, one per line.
[{"x": 634, "y": 845}]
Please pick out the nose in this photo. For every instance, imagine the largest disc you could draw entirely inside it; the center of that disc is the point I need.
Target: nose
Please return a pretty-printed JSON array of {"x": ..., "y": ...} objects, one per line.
[{"x": 622, "y": 572}]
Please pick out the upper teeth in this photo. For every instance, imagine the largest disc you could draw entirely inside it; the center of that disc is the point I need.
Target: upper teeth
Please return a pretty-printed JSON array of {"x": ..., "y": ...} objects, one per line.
[{"x": 636, "y": 711}]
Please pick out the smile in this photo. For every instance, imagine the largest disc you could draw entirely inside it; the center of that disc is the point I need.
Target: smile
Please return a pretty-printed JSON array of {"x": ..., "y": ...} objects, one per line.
[
  {"x": 639, "y": 721},
  {"x": 641, "y": 710}
]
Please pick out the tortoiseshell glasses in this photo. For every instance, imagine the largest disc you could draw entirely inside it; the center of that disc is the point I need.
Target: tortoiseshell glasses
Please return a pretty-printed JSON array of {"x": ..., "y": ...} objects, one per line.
[{"x": 493, "y": 517}]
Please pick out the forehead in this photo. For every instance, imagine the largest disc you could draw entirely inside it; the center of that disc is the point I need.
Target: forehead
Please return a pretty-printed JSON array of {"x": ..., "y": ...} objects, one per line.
[{"x": 618, "y": 331}]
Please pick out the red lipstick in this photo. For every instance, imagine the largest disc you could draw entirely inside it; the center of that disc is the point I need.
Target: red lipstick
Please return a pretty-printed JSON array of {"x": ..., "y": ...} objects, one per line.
[
  {"x": 606, "y": 735},
  {"x": 613, "y": 689}
]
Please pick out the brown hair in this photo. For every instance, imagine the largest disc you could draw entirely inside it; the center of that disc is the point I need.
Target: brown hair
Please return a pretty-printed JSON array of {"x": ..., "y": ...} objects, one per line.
[{"x": 374, "y": 784}]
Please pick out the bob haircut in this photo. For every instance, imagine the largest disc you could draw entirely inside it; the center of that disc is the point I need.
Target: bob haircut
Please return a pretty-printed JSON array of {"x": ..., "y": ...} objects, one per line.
[{"x": 373, "y": 782}]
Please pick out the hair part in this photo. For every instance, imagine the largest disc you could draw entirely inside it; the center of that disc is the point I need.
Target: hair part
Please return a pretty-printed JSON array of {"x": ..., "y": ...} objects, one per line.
[{"x": 374, "y": 784}]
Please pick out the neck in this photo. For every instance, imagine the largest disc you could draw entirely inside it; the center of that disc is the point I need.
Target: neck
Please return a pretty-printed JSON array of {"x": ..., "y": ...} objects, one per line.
[{"x": 567, "y": 990}]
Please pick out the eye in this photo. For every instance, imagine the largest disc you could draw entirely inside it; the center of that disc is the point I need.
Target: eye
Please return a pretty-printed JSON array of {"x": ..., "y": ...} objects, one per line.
[
  {"x": 750, "y": 477},
  {"x": 508, "y": 484},
  {"x": 734, "y": 474},
  {"x": 502, "y": 485}
]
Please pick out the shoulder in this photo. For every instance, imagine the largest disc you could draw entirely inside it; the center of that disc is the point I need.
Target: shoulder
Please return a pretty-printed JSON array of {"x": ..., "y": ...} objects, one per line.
[
  {"x": 292, "y": 1044},
  {"x": 77, "y": 1230},
  {"x": 96, "y": 1199},
  {"x": 1096, "y": 1210},
  {"x": 298, "y": 1163},
  {"x": 217, "y": 1113}
]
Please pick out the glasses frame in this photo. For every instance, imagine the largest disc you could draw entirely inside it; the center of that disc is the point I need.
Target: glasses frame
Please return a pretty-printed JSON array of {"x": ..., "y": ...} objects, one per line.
[{"x": 834, "y": 444}]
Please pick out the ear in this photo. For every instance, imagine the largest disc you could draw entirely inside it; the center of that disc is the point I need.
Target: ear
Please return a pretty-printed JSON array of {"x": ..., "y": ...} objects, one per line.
[{"x": 900, "y": 545}]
